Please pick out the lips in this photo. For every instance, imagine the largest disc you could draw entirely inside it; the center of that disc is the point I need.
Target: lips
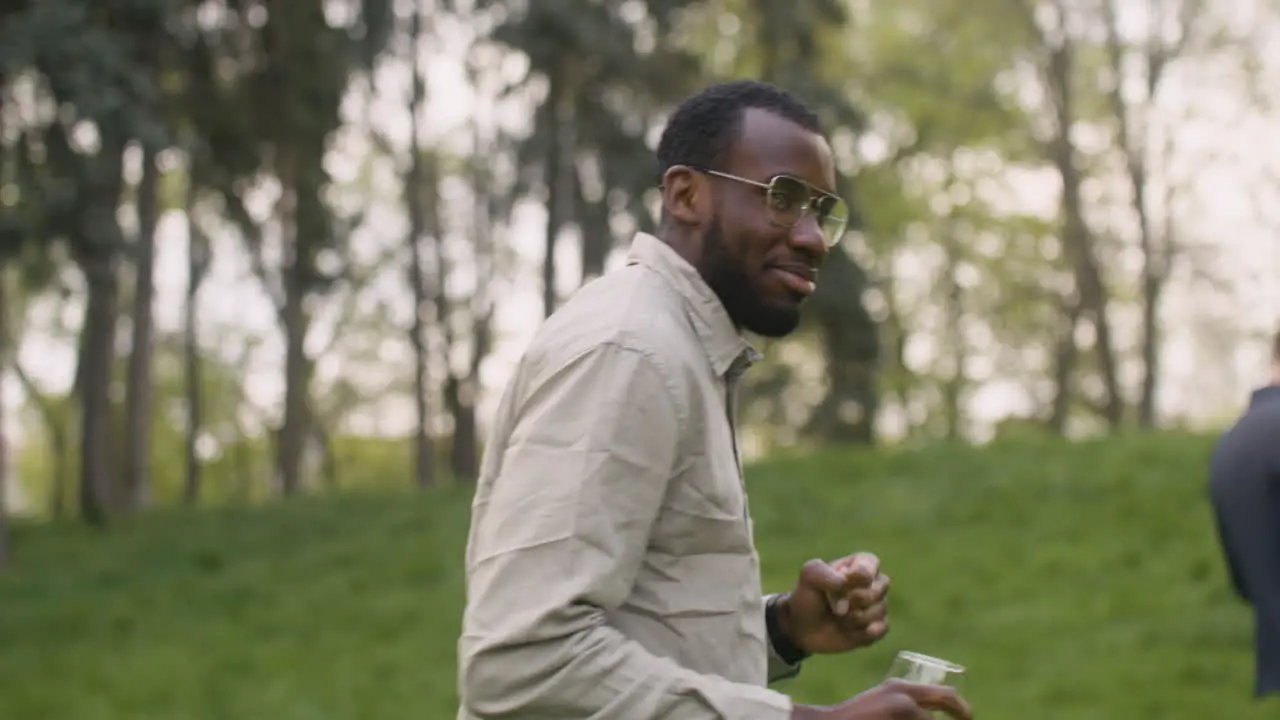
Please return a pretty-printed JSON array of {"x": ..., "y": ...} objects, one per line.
[{"x": 798, "y": 278}]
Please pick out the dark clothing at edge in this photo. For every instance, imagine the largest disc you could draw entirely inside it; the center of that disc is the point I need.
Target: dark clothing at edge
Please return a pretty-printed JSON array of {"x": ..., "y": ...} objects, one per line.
[{"x": 1244, "y": 485}]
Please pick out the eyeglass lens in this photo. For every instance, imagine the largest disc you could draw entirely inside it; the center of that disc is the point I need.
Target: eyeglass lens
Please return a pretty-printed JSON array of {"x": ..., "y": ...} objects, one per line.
[{"x": 790, "y": 197}]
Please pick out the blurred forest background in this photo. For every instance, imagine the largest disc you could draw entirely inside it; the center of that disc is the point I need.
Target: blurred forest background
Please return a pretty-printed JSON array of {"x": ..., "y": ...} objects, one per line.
[{"x": 252, "y": 250}]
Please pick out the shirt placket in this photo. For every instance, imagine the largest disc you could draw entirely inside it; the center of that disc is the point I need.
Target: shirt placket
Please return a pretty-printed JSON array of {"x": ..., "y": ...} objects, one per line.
[
  {"x": 751, "y": 617},
  {"x": 731, "y": 377}
]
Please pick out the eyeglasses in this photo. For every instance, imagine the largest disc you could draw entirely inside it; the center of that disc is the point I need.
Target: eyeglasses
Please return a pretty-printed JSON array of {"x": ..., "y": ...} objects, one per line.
[{"x": 788, "y": 198}]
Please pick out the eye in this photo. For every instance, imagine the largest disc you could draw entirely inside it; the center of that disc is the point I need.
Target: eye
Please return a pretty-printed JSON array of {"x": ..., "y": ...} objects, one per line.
[
  {"x": 786, "y": 195},
  {"x": 822, "y": 206},
  {"x": 781, "y": 202}
]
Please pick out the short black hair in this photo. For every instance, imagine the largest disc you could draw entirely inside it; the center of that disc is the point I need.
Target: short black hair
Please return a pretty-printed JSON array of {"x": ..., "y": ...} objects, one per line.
[{"x": 704, "y": 126}]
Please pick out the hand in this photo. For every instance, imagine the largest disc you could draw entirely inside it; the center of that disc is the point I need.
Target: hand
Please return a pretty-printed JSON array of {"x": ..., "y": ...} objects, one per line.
[
  {"x": 838, "y": 606},
  {"x": 892, "y": 700}
]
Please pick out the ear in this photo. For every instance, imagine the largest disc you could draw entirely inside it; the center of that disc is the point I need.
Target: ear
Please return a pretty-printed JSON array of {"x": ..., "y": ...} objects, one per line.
[{"x": 685, "y": 195}]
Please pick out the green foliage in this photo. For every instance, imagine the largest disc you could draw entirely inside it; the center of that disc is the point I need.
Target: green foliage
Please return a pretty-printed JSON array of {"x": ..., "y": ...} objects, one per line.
[
  {"x": 1077, "y": 582},
  {"x": 237, "y": 468},
  {"x": 611, "y": 70},
  {"x": 237, "y": 459}
]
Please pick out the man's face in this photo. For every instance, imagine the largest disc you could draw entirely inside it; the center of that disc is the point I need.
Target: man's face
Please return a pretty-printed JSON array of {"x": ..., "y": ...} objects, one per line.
[{"x": 763, "y": 272}]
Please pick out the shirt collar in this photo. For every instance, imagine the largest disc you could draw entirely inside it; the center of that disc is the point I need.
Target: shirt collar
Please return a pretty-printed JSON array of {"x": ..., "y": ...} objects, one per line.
[{"x": 726, "y": 348}]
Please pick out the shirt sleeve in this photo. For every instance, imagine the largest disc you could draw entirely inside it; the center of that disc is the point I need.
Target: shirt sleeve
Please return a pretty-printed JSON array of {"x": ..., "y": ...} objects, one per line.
[{"x": 557, "y": 542}]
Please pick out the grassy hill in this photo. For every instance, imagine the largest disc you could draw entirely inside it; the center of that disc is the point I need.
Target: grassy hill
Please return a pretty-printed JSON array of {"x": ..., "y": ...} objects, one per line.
[{"x": 1077, "y": 582}]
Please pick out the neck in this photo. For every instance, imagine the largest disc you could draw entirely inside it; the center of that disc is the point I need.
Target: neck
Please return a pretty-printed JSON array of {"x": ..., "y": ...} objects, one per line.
[
  {"x": 1275, "y": 374},
  {"x": 686, "y": 244}
]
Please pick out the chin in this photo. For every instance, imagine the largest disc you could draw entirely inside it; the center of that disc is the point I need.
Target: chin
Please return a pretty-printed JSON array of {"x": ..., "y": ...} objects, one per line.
[{"x": 775, "y": 322}]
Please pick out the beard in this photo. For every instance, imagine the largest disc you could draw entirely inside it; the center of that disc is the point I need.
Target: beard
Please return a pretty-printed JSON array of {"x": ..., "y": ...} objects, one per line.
[{"x": 726, "y": 274}]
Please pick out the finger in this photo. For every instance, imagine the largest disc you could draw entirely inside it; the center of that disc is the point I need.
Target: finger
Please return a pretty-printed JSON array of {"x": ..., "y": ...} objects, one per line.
[
  {"x": 863, "y": 560},
  {"x": 876, "y": 630},
  {"x": 860, "y": 568},
  {"x": 822, "y": 576},
  {"x": 953, "y": 705},
  {"x": 853, "y": 596},
  {"x": 867, "y": 565},
  {"x": 938, "y": 697},
  {"x": 831, "y": 582},
  {"x": 868, "y": 626},
  {"x": 866, "y": 616},
  {"x": 868, "y": 596}
]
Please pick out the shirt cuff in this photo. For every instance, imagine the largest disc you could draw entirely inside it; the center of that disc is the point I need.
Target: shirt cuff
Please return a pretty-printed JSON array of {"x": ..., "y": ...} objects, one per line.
[{"x": 779, "y": 669}]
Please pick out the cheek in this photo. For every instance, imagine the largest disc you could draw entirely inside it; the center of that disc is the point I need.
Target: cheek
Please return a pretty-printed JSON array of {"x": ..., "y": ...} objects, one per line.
[
  {"x": 749, "y": 238},
  {"x": 760, "y": 246},
  {"x": 749, "y": 252}
]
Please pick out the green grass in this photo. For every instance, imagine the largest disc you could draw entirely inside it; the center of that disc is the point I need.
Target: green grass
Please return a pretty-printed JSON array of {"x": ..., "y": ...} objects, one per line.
[{"x": 1077, "y": 582}]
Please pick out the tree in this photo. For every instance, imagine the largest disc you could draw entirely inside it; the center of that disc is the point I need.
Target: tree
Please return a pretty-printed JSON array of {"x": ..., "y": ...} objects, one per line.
[
  {"x": 421, "y": 189},
  {"x": 606, "y": 87}
]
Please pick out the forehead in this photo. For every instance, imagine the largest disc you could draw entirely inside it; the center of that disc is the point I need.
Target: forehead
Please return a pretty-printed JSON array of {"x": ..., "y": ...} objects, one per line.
[{"x": 769, "y": 145}]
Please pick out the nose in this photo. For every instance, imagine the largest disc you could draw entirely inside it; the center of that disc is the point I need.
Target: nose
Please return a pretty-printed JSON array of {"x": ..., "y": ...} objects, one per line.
[{"x": 806, "y": 237}]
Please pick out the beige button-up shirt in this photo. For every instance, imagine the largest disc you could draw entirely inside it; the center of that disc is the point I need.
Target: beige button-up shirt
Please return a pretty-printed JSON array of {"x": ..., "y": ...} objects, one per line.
[{"x": 611, "y": 570}]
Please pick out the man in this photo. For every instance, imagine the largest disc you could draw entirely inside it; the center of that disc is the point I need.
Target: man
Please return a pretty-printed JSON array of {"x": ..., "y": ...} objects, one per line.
[
  {"x": 611, "y": 569},
  {"x": 1244, "y": 485}
]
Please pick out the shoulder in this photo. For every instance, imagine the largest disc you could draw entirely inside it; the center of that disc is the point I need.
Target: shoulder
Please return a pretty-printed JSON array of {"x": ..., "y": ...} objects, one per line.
[
  {"x": 1249, "y": 442},
  {"x": 628, "y": 318},
  {"x": 632, "y": 308}
]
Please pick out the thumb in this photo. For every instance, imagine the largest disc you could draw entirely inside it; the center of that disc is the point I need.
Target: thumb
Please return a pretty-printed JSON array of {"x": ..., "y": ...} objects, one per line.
[{"x": 820, "y": 576}]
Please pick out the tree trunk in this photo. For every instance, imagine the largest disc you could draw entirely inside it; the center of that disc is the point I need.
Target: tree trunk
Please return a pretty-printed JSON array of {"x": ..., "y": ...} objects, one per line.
[
  {"x": 1076, "y": 236},
  {"x": 1066, "y": 355},
  {"x": 197, "y": 266},
  {"x": 417, "y": 190},
  {"x": 454, "y": 386},
  {"x": 1151, "y": 288},
  {"x": 8, "y": 354},
  {"x": 135, "y": 484},
  {"x": 55, "y": 424},
  {"x": 558, "y": 167},
  {"x": 462, "y": 395},
  {"x": 847, "y": 412},
  {"x": 464, "y": 456},
  {"x": 593, "y": 224},
  {"x": 1153, "y": 277},
  {"x": 299, "y": 149},
  {"x": 851, "y": 349},
  {"x": 1157, "y": 249},
  {"x": 293, "y": 430},
  {"x": 8, "y": 351},
  {"x": 96, "y": 361},
  {"x": 953, "y": 389},
  {"x": 424, "y": 452},
  {"x": 328, "y": 457}
]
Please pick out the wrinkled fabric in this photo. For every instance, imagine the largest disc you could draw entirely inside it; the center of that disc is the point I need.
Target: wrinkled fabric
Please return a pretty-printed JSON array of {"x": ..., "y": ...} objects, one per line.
[{"x": 611, "y": 569}]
